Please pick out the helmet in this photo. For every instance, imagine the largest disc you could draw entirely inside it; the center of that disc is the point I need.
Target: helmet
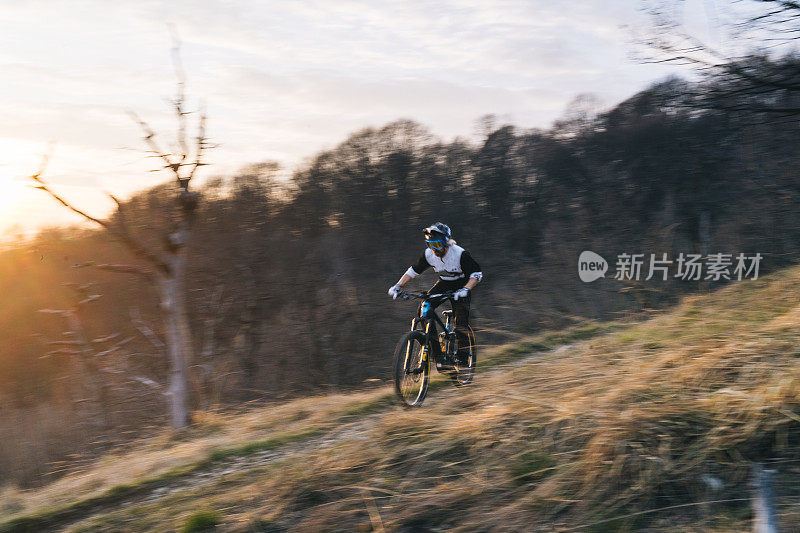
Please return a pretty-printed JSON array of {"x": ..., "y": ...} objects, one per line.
[
  {"x": 437, "y": 237},
  {"x": 438, "y": 231}
]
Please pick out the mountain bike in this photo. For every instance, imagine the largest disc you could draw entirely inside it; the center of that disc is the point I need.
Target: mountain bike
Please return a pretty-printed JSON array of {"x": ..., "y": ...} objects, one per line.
[{"x": 453, "y": 354}]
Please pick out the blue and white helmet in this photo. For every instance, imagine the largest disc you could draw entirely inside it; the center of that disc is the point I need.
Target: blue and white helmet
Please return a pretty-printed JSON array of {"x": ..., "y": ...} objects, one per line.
[{"x": 438, "y": 231}]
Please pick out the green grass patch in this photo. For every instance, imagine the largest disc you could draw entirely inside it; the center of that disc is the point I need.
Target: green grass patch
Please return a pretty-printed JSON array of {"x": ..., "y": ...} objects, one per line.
[
  {"x": 369, "y": 406},
  {"x": 249, "y": 448},
  {"x": 201, "y": 521},
  {"x": 531, "y": 466}
]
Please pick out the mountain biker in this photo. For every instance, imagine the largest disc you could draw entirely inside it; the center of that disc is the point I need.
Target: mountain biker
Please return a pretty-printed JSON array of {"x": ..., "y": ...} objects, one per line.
[{"x": 458, "y": 272}]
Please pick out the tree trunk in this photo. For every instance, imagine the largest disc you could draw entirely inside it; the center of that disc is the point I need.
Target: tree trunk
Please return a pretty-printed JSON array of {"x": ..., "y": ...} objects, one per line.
[{"x": 179, "y": 345}]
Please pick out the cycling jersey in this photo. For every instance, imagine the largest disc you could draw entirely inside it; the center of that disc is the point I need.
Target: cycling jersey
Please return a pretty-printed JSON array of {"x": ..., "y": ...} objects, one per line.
[{"x": 456, "y": 264}]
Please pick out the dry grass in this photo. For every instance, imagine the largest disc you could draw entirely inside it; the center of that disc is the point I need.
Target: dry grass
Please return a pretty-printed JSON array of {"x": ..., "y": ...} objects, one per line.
[
  {"x": 653, "y": 426},
  {"x": 214, "y": 437}
]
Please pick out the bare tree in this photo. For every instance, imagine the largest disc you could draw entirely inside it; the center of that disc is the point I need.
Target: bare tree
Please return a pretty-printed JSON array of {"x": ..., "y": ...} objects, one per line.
[
  {"x": 165, "y": 268},
  {"x": 748, "y": 73}
]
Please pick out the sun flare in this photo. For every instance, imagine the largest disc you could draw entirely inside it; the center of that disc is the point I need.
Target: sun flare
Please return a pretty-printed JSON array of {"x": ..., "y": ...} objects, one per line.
[{"x": 17, "y": 161}]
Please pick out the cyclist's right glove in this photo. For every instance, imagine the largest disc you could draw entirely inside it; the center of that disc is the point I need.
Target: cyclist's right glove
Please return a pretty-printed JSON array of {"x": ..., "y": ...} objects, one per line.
[{"x": 394, "y": 292}]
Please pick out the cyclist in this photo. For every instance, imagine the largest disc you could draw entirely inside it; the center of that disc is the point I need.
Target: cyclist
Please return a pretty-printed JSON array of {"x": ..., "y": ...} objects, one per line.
[{"x": 458, "y": 272}]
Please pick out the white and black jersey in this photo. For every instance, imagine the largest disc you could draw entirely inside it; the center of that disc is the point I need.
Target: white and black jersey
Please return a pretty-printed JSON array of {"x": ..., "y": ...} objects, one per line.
[{"x": 456, "y": 264}]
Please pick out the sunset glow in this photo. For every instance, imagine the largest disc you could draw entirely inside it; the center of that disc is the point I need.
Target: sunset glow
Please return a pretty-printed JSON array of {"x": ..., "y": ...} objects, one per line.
[{"x": 280, "y": 82}]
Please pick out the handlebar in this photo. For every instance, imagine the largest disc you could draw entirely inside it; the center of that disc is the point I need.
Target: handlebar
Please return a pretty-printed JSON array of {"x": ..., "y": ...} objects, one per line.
[{"x": 424, "y": 295}]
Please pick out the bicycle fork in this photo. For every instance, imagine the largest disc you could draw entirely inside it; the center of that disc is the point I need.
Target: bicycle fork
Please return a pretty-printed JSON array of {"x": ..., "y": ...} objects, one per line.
[
  {"x": 423, "y": 356},
  {"x": 427, "y": 346}
]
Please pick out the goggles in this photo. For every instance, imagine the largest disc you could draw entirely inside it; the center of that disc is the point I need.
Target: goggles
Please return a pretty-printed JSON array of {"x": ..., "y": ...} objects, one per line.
[{"x": 437, "y": 245}]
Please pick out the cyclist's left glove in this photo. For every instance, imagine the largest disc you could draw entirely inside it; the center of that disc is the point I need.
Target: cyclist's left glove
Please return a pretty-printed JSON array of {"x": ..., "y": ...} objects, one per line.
[{"x": 463, "y": 292}]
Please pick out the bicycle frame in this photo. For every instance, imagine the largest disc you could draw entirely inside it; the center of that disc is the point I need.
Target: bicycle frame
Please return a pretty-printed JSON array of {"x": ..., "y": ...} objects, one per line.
[{"x": 429, "y": 319}]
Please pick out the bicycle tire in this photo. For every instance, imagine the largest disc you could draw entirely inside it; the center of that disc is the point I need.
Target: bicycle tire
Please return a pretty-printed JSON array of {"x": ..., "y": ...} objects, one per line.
[
  {"x": 409, "y": 388},
  {"x": 464, "y": 374}
]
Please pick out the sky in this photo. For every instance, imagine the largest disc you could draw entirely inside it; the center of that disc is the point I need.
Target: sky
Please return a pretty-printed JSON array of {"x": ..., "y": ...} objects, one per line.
[{"x": 283, "y": 80}]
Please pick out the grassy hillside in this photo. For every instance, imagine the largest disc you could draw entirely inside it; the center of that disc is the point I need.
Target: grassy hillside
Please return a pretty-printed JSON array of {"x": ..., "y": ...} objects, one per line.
[{"x": 648, "y": 425}]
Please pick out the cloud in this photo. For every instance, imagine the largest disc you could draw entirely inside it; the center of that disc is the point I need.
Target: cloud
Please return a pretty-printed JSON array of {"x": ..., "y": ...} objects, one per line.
[{"x": 284, "y": 79}]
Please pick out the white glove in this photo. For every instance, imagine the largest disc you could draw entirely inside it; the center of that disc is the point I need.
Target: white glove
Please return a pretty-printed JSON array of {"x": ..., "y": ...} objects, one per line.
[
  {"x": 394, "y": 291},
  {"x": 463, "y": 292}
]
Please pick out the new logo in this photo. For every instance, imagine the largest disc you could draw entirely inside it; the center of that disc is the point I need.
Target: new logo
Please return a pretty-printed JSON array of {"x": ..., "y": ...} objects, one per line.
[{"x": 591, "y": 266}]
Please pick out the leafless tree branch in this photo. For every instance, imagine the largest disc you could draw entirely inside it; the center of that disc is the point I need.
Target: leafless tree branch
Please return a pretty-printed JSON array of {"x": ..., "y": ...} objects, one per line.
[
  {"x": 149, "y": 383},
  {"x": 149, "y": 138},
  {"x": 127, "y": 269},
  {"x": 107, "y": 338},
  {"x": 63, "y": 351},
  {"x": 133, "y": 245},
  {"x": 146, "y": 330},
  {"x": 180, "y": 94},
  {"x": 201, "y": 144},
  {"x": 124, "y": 269}
]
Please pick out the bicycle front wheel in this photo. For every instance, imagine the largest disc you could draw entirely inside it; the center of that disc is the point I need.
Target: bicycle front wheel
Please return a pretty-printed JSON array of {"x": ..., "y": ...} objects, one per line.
[{"x": 411, "y": 369}]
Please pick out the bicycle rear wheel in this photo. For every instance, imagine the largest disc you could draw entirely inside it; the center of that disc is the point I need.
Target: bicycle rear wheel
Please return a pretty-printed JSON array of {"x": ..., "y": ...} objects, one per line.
[
  {"x": 411, "y": 370},
  {"x": 466, "y": 360}
]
